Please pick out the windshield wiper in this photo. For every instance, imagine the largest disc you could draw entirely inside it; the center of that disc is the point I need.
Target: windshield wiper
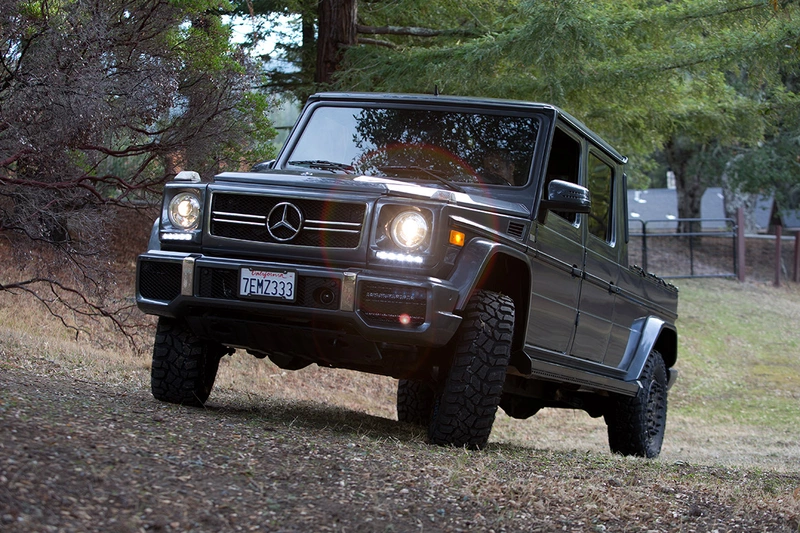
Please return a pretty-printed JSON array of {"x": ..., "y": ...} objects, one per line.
[
  {"x": 324, "y": 165},
  {"x": 447, "y": 183}
]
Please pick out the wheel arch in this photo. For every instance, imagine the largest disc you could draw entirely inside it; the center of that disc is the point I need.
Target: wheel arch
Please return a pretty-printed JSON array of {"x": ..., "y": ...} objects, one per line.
[
  {"x": 667, "y": 345},
  {"x": 501, "y": 269},
  {"x": 648, "y": 334}
]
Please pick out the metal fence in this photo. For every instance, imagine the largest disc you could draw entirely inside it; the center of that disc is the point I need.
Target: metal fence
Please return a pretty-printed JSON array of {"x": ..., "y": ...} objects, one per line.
[{"x": 704, "y": 248}]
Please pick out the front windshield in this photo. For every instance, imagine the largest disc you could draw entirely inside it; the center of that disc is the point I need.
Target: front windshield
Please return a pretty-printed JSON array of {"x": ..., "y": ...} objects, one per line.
[{"x": 418, "y": 144}]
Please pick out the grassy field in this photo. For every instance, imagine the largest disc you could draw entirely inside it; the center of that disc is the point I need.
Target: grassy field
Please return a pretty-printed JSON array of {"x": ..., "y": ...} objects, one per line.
[
  {"x": 736, "y": 401},
  {"x": 285, "y": 451}
]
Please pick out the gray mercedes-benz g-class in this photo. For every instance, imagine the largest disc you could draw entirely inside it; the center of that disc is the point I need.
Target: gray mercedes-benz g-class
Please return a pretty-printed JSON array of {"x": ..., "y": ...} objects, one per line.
[{"x": 475, "y": 249}]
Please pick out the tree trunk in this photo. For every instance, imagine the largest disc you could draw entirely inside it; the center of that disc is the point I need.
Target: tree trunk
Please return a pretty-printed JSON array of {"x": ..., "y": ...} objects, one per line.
[
  {"x": 735, "y": 199},
  {"x": 690, "y": 197},
  {"x": 308, "y": 52},
  {"x": 689, "y": 183},
  {"x": 337, "y": 30}
]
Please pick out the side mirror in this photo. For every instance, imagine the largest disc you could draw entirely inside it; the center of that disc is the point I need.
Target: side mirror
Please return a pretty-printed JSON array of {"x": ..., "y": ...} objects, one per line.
[{"x": 567, "y": 197}]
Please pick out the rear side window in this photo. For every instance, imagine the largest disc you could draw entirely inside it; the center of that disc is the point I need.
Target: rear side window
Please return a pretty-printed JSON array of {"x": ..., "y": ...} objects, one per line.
[
  {"x": 564, "y": 164},
  {"x": 601, "y": 179}
]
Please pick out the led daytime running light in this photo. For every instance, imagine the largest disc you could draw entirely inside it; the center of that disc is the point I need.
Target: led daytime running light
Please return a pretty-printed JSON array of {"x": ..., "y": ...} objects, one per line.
[
  {"x": 176, "y": 237},
  {"x": 400, "y": 258}
]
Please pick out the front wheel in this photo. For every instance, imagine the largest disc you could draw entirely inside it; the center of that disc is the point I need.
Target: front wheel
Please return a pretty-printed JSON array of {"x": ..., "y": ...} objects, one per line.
[
  {"x": 184, "y": 365},
  {"x": 465, "y": 407},
  {"x": 636, "y": 424}
]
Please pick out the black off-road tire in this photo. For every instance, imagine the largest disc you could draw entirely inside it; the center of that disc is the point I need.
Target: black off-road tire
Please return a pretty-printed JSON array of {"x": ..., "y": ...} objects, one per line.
[
  {"x": 184, "y": 366},
  {"x": 636, "y": 424},
  {"x": 415, "y": 401},
  {"x": 465, "y": 407}
]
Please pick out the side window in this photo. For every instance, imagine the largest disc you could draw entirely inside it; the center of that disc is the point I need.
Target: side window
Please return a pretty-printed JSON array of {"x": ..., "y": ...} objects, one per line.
[
  {"x": 600, "y": 186},
  {"x": 564, "y": 164}
]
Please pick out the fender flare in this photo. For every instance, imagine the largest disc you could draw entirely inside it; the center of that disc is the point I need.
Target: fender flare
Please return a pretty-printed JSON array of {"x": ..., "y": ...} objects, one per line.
[
  {"x": 472, "y": 264},
  {"x": 649, "y": 333},
  {"x": 154, "y": 243}
]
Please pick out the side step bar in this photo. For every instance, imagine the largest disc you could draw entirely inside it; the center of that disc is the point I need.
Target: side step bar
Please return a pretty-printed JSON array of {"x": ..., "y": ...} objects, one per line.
[{"x": 523, "y": 365}]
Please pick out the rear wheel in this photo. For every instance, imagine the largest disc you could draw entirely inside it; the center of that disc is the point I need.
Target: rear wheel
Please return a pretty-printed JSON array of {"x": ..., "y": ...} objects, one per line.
[
  {"x": 184, "y": 365},
  {"x": 465, "y": 407},
  {"x": 415, "y": 401},
  {"x": 636, "y": 424}
]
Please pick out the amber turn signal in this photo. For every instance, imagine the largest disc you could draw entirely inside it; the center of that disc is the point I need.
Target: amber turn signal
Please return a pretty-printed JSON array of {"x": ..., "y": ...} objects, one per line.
[{"x": 456, "y": 238}]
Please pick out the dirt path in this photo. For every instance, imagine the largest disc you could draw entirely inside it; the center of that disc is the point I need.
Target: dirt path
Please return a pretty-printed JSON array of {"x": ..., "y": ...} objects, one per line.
[{"x": 83, "y": 456}]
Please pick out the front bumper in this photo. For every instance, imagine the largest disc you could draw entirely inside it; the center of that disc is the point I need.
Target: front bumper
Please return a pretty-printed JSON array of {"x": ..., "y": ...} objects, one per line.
[{"x": 333, "y": 306}]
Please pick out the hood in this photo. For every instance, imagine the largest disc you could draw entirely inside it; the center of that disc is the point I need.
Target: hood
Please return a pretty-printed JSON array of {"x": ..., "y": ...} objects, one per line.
[{"x": 471, "y": 197}]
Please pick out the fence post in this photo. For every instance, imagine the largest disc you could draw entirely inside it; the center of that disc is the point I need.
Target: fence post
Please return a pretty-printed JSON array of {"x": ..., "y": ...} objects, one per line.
[
  {"x": 740, "y": 243},
  {"x": 778, "y": 236},
  {"x": 796, "y": 273},
  {"x": 644, "y": 245}
]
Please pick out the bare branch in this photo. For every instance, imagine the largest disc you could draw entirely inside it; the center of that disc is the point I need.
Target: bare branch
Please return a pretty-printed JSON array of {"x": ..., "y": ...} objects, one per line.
[
  {"x": 415, "y": 31},
  {"x": 12, "y": 159},
  {"x": 376, "y": 42},
  {"x": 80, "y": 304}
]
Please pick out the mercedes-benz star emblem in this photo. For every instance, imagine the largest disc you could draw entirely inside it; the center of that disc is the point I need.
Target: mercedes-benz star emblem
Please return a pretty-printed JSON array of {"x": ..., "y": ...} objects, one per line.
[{"x": 284, "y": 221}]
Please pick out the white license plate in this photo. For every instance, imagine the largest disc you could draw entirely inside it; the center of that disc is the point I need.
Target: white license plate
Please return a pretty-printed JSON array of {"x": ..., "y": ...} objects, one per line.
[{"x": 269, "y": 284}]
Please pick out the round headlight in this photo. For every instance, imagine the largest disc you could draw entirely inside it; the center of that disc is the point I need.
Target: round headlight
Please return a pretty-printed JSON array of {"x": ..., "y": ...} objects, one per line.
[
  {"x": 409, "y": 229},
  {"x": 184, "y": 211}
]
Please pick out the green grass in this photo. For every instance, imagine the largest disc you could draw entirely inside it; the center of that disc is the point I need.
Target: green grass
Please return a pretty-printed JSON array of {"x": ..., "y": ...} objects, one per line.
[{"x": 739, "y": 353}]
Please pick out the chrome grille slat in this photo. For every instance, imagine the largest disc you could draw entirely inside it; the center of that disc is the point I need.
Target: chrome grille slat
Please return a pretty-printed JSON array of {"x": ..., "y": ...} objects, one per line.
[
  {"x": 244, "y": 222},
  {"x": 243, "y": 215},
  {"x": 333, "y": 230},
  {"x": 324, "y": 222}
]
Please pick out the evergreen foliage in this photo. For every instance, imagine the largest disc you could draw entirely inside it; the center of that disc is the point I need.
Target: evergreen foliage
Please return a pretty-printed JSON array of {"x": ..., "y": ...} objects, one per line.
[{"x": 699, "y": 81}]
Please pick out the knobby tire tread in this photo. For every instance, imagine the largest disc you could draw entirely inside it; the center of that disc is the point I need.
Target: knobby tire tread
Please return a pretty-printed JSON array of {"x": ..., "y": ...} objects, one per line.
[
  {"x": 465, "y": 410},
  {"x": 184, "y": 366},
  {"x": 636, "y": 424}
]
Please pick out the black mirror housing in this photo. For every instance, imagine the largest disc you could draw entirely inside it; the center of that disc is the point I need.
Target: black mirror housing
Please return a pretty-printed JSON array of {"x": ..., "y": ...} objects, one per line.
[{"x": 567, "y": 197}]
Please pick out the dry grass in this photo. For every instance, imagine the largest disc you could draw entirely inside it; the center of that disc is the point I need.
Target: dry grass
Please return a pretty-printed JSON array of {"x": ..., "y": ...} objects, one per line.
[
  {"x": 734, "y": 404},
  {"x": 319, "y": 448},
  {"x": 730, "y": 459},
  {"x": 86, "y": 456}
]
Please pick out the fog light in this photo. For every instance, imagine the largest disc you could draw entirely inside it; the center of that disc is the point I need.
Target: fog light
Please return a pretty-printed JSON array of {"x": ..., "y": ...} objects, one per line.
[
  {"x": 324, "y": 296},
  {"x": 176, "y": 237}
]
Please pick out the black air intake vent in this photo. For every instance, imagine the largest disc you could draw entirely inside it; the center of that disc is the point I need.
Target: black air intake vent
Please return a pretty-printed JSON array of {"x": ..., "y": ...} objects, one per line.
[
  {"x": 517, "y": 230},
  {"x": 382, "y": 304},
  {"x": 159, "y": 280}
]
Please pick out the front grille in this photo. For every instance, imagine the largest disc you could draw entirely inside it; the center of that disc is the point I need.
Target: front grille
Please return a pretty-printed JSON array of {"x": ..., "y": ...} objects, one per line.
[
  {"x": 159, "y": 280},
  {"x": 393, "y": 305},
  {"x": 313, "y": 292},
  {"x": 326, "y": 223}
]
